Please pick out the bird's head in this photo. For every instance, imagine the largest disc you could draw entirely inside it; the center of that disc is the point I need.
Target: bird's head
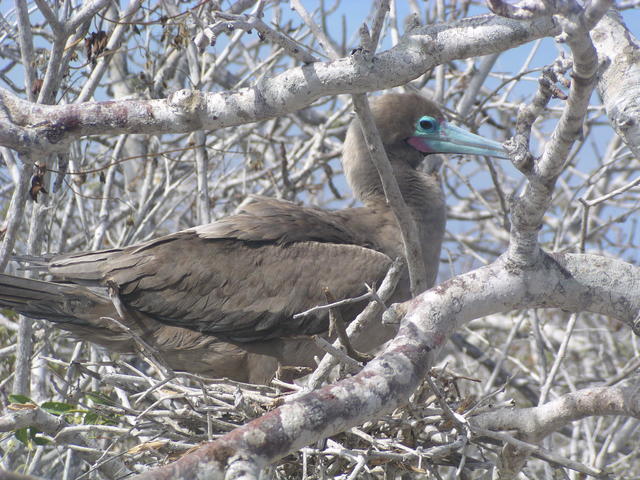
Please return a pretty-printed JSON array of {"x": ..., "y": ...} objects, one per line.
[
  {"x": 413, "y": 120},
  {"x": 411, "y": 127}
]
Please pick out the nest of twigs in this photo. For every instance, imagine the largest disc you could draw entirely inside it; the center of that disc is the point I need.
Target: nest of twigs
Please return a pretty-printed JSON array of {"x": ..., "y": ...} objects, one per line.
[{"x": 124, "y": 416}]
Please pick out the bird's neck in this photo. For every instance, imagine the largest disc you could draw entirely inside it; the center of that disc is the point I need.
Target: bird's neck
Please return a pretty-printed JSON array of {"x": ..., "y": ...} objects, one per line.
[{"x": 421, "y": 192}]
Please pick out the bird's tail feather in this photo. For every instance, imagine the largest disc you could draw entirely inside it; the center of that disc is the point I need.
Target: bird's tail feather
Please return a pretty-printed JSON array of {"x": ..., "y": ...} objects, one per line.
[
  {"x": 74, "y": 308},
  {"x": 50, "y": 301},
  {"x": 32, "y": 262},
  {"x": 34, "y": 259},
  {"x": 84, "y": 267}
]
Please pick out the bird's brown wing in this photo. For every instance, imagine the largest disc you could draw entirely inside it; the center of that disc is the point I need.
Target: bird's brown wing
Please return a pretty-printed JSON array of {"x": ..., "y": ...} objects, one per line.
[
  {"x": 240, "y": 289},
  {"x": 269, "y": 219},
  {"x": 88, "y": 316}
]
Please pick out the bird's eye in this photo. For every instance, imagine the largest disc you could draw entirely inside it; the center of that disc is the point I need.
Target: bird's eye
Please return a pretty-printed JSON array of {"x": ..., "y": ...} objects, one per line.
[{"x": 428, "y": 124}]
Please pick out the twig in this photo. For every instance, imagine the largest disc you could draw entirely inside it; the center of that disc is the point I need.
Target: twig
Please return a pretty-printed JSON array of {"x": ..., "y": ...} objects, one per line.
[
  {"x": 337, "y": 353},
  {"x": 538, "y": 452},
  {"x": 336, "y": 325},
  {"x": 248, "y": 23},
  {"x": 326, "y": 43},
  {"x": 408, "y": 228},
  {"x": 145, "y": 349},
  {"x": 339, "y": 303},
  {"x": 362, "y": 321}
]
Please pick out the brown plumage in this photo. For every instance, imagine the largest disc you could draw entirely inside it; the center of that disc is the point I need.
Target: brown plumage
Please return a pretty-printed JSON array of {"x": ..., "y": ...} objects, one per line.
[{"x": 220, "y": 298}]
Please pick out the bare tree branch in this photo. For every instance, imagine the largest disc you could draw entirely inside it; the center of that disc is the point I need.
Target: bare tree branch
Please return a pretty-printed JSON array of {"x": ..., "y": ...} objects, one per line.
[{"x": 52, "y": 127}]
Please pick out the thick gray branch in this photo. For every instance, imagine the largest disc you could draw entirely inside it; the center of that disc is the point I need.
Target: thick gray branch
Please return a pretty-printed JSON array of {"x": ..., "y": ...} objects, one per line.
[
  {"x": 533, "y": 424},
  {"x": 618, "y": 77},
  {"x": 25, "y": 126},
  {"x": 529, "y": 209}
]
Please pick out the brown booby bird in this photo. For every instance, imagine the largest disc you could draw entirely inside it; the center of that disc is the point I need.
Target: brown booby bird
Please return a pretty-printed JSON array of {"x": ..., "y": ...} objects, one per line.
[{"x": 219, "y": 299}]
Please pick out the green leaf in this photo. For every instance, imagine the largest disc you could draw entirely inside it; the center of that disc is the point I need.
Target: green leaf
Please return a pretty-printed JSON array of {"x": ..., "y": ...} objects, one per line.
[
  {"x": 20, "y": 399},
  {"x": 28, "y": 436},
  {"x": 41, "y": 440},
  {"x": 91, "y": 418},
  {"x": 100, "y": 399},
  {"x": 22, "y": 434},
  {"x": 57, "y": 408}
]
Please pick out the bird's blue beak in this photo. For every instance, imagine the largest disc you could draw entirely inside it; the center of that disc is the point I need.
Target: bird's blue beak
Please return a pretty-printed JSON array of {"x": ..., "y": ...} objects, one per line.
[{"x": 437, "y": 136}]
